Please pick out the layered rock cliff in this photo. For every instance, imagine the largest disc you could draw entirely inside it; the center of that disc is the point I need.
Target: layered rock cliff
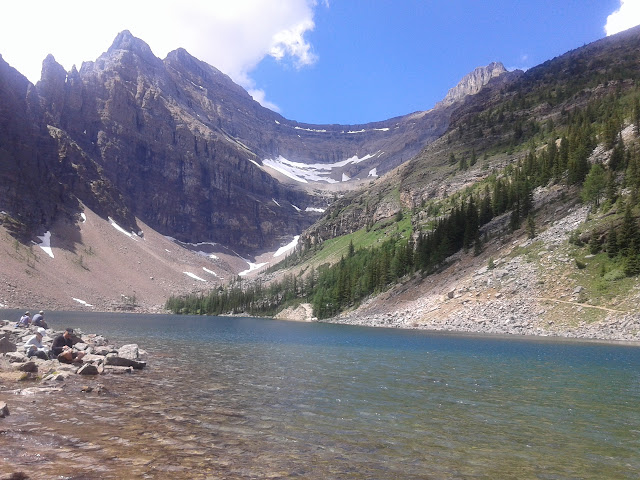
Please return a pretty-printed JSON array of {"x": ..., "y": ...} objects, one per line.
[{"x": 177, "y": 144}]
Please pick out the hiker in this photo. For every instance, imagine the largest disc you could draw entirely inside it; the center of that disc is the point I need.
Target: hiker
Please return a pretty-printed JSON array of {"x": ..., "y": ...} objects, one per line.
[
  {"x": 25, "y": 320},
  {"x": 38, "y": 320},
  {"x": 35, "y": 347},
  {"x": 62, "y": 348}
]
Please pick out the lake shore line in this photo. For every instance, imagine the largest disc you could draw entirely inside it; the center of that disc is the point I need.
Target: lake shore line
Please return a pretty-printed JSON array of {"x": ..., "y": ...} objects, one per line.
[{"x": 497, "y": 318}]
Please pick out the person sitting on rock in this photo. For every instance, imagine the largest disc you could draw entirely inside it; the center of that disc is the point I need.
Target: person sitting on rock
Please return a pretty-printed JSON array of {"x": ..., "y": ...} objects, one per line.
[
  {"x": 25, "y": 320},
  {"x": 35, "y": 347},
  {"x": 38, "y": 320},
  {"x": 62, "y": 348}
]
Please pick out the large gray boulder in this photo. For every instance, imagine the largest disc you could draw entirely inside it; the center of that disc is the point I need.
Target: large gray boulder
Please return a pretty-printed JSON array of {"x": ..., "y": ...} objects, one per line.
[
  {"x": 7, "y": 345},
  {"x": 16, "y": 357},
  {"x": 129, "y": 351},
  {"x": 29, "y": 366},
  {"x": 88, "y": 369},
  {"x": 114, "y": 359}
]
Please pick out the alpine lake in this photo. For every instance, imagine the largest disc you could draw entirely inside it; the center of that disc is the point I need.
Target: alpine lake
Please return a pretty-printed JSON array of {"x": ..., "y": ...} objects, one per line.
[{"x": 239, "y": 398}]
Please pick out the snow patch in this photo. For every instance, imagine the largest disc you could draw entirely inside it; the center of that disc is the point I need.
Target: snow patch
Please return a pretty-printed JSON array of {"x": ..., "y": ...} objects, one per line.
[
  {"x": 345, "y": 177},
  {"x": 310, "y": 130},
  {"x": 207, "y": 254},
  {"x": 274, "y": 201},
  {"x": 287, "y": 247},
  {"x": 210, "y": 271},
  {"x": 297, "y": 209},
  {"x": 45, "y": 243},
  {"x": 373, "y": 172},
  {"x": 83, "y": 217},
  {"x": 252, "y": 267},
  {"x": 255, "y": 163},
  {"x": 122, "y": 230},
  {"x": 82, "y": 302},
  {"x": 313, "y": 209},
  {"x": 194, "y": 276},
  {"x": 315, "y": 172}
]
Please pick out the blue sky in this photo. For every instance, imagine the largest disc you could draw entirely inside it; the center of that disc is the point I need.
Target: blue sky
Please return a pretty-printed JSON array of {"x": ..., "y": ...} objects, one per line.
[
  {"x": 379, "y": 59},
  {"x": 321, "y": 61}
]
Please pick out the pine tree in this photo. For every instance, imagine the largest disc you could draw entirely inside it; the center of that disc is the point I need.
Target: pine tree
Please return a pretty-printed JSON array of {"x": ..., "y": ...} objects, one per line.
[
  {"x": 616, "y": 161},
  {"x": 594, "y": 185},
  {"x": 612, "y": 242},
  {"x": 611, "y": 188},
  {"x": 628, "y": 232},
  {"x": 474, "y": 158},
  {"x": 463, "y": 163},
  {"x": 531, "y": 226},
  {"x": 594, "y": 244},
  {"x": 632, "y": 262}
]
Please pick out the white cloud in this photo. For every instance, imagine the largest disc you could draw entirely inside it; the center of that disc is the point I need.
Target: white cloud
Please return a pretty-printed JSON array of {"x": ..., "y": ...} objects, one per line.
[
  {"x": 233, "y": 36},
  {"x": 627, "y": 16}
]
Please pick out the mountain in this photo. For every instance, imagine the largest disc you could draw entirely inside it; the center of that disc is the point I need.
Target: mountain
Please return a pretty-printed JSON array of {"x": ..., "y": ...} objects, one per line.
[
  {"x": 176, "y": 144},
  {"x": 522, "y": 218},
  {"x": 473, "y": 82}
]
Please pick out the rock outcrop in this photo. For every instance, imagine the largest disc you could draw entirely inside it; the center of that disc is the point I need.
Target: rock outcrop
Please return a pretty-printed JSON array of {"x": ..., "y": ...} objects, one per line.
[{"x": 473, "y": 82}]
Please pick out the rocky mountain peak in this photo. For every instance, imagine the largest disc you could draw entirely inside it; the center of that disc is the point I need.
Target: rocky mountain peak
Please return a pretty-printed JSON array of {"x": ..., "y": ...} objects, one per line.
[
  {"x": 126, "y": 42},
  {"x": 473, "y": 82},
  {"x": 180, "y": 60},
  {"x": 51, "y": 86}
]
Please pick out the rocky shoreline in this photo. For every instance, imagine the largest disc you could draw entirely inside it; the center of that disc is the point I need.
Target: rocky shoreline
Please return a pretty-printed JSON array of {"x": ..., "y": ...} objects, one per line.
[{"x": 33, "y": 375}]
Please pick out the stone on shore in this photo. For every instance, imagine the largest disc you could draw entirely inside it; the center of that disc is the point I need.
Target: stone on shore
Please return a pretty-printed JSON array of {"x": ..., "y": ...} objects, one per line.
[
  {"x": 99, "y": 357},
  {"x": 7, "y": 345},
  {"x": 29, "y": 366},
  {"x": 114, "y": 359},
  {"x": 88, "y": 369}
]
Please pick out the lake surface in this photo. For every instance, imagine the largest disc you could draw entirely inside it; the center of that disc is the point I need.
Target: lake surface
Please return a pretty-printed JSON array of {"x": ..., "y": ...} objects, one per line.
[{"x": 254, "y": 398}]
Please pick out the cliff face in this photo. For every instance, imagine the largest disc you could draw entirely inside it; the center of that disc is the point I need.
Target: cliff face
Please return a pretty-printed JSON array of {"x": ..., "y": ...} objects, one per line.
[
  {"x": 473, "y": 82},
  {"x": 177, "y": 144},
  {"x": 43, "y": 174},
  {"x": 148, "y": 129}
]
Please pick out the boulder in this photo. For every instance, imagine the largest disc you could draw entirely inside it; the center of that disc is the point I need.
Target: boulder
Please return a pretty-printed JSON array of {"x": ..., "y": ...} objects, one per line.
[
  {"x": 93, "y": 359},
  {"x": 55, "y": 377},
  {"x": 7, "y": 345},
  {"x": 29, "y": 366},
  {"x": 117, "y": 361},
  {"x": 88, "y": 369},
  {"x": 103, "y": 350},
  {"x": 11, "y": 330},
  {"x": 4, "y": 410},
  {"x": 129, "y": 351},
  {"x": 16, "y": 357}
]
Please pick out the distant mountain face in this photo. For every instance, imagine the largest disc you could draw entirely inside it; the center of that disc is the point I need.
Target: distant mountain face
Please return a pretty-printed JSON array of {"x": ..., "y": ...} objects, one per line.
[
  {"x": 512, "y": 110},
  {"x": 176, "y": 143},
  {"x": 473, "y": 83}
]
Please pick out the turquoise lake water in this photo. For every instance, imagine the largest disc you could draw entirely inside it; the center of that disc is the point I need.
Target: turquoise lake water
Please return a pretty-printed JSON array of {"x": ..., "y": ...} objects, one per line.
[{"x": 255, "y": 398}]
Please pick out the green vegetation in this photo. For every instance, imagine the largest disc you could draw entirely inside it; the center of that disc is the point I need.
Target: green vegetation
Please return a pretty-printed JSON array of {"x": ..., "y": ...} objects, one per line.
[{"x": 339, "y": 273}]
